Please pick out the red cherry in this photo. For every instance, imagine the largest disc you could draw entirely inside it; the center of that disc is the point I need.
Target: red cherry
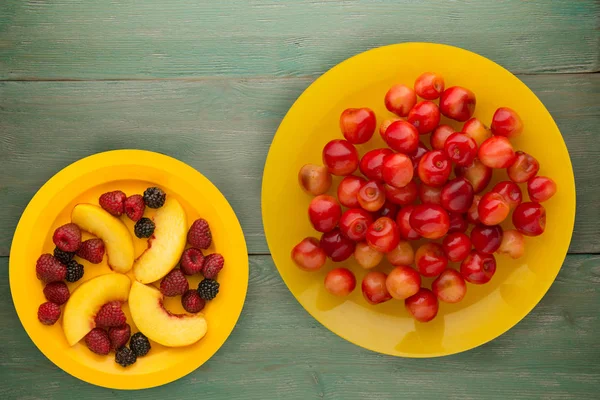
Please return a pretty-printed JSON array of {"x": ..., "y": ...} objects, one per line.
[
  {"x": 430, "y": 194},
  {"x": 429, "y": 85},
  {"x": 478, "y": 268},
  {"x": 530, "y": 218},
  {"x": 513, "y": 244},
  {"x": 337, "y": 246},
  {"x": 371, "y": 164},
  {"x": 524, "y": 168},
  {"x": 324, "y": 213},
  {"x": 367, "y": 257},
  {"x": 493, "y": 209},
  {"x": 457, "y": 195},
  {"x": 510, "y": 191},
  {"x": 461, "y": 149},
  {"x": 457, "y": 103},
  {"x": 402, "y": 137},
  {"x": 308, "y": 255},
  {"x": 371, "y": 196},
  {"x": 354, "y": 223},
  {"x": 401, "y": 196},
  {"x": 478, "y": 174},
  {"x": 397, "y": 170},
  {"x": 314, "y": 179},
  {"x": 496, "y": 152},
  {"x": 450, "y": 286},
  {"x": 403, "y": 222},
  {"x": 476, "y": 130},
  {"x": 458, "y": 223},
  {"x": 358, "y": 124},
  {"x": 540, "y": 188},
  {"x": 457, "y": 246},
  {"x": 400, "y": 99},
  {"x": 340, "y": 282},
  {"x": 386, "y": 124},
  {"x": 430, "y": 221},
  {"x": 389, "y": 210},
  {"x": 374, "y": 289},
  {"x": 434, "y": 168},
  {"x": 403, "y": 254},
  {"x": 423, "y": 306},
  {"x": 440, "y": 135},
  {"x": 340, "y": 157},
  {"x": 425, "y": 116},
  {"x": 431, "y": 259},
  {"x": 383, "y": 235},
  {"x": 416, "y": 157},
  {"x": 506, "y": 122},
  {"x": 403, "y": 282},
  {"x": 486, "y": 239},
  {"x": 347, "y": 190},
  {"x": 473, "y": 213}
]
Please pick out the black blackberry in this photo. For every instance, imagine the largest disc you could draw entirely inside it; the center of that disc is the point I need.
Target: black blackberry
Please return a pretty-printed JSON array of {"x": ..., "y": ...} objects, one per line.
[
  {"x": 144, "y": 228},
  {"x": 125, "y": 357},
  {"x": 63, "y": 256},
  {"x": 154, "y": 197},
  {"x": 208, "y": 289},
  {"x": 139, "y": 344},
  {"x": 74, "y": 271}
]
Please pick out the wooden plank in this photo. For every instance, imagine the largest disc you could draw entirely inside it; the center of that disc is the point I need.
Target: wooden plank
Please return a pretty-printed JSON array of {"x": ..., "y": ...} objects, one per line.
[
  {"x": 223, "y": 128},
  {"x": 68, "y": 39},
  {"x": 279, "y": 351}
]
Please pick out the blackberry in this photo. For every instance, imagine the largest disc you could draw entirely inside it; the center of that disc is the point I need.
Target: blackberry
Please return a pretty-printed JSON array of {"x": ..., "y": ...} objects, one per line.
[
  {"x": 139, "y": 344},
  {"x": 74, "y": 271},
  {"x": 125, "y": 357},
  {"x": 63, "y": 256},
  {"x": 154, "y": 197},
  {"x": 144, "y": 228},
  {"x": 208, "y": 289}
]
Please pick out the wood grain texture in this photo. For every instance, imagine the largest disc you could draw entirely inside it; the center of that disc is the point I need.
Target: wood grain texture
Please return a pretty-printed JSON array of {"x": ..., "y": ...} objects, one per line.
[
  {"x": 223, "y": 128},
  {"x": 70, "y": 39},
  {"x": 279, "y": 351}
]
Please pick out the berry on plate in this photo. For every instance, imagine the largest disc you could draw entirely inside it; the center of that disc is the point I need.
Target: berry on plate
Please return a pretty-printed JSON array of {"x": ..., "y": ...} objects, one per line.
[
  {"x": 49, "y": 269},
  {"x": 213, "y": 264},
  {"x": 63, "y": 256},
  {"x": 110, "y": 315},
  {"x": 92, "y": 250},
  {"x": 144, "y": 228},
  {"x": 113, "y": 202},
  {"x": 140, "y": 344},
  {"x": 199, "y": 234},
  {"x": 119, "y": 336},
  {"x": 97, "y": 341},
  {"x": 48, "y": 313},
  {"x": 125, "y": 357},
  {"x": 208, "y": 289},
  {"x": 192, "y": 261},
  {"x": 67, "y": 237},
  {"x": 134, "y": 207},
  {"x": 74, "y": 271},
  {"x": 192, "y": 302},
  {"x": 174, "y": 284},
  {"x": 57, "y": 292},
  {"x": 154, "y": 197}
]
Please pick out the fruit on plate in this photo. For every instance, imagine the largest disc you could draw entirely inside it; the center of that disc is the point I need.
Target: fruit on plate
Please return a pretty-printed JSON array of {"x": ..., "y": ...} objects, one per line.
[
  {"x": 358, "y": 124},
  {"x": 540, "y": 188},
  {"x": 117, "y": 239},
  {"x": 371, "y": 196},
  {"x": 400, "y": 99},
  {"x": 340, "y": 282},
  {"x": 347, "y": 191},
  {"x": 493, "y": 208},
  {"x": 450, "y": 286},
  {"x": 402, "y": 136},
  {"x": 461, "y": 149},
  {"x": 67, "y": 237},
  {"x": 397, "y": 170},
  {"x": 366, "y": 256},
  {"x": 458, "y": 103},
  {"x": 429, "y": 85},
  {"x": 486, "y": 239},
  {"x": 496, "y": 152},
  {"x": 434, "y": 168},
  {"x": 423, "y": 305},
  {"x": 440, "y": 135},
  {"x": 324, "y": 213},
  {"x": 314, "y": 179},
  {"x": 431, "y": 259},
  {"x": 308, "y": 254},
  {"x": 523, "y": 168},
  {"x": 530, "y": 218},
  {"x": 85, "y": 302},
  {"x": 340, "y": 157},
  {"x": 478, "y": 268},
  {"x": 160, "y": 325},
  {"x": 383, "y": 235},
  {"x": 506, "y": 122},
  {"x": 425, "y": 116},
  {"x": 477, "y": 173},
  {"x": 403, "y": 282},
  {"x": 374, "y": 287},
  {"x": 513, "y": 244},
  {"x": 430, "y": 221},
  {"x": 337, "y": 246},
  {"x": 476, "y": 130},
  {"x": 165, "y": 246}
]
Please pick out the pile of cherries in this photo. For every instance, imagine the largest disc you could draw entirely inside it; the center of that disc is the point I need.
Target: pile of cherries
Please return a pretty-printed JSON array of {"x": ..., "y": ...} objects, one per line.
[{"x": 407, "y": 193}]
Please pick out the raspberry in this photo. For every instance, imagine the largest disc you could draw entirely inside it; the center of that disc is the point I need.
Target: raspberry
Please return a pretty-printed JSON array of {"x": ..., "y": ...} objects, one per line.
[
  {"x": 119, "y": 336},
  {"x": 48, "y": 313},
  {"x": 110, "y": 315},
  {"x": 57, "y": 292},
  {"x": 144, "y": 228},
  {"x": 154, "y": 197},
  {"x": 113, "y": 202},
  {"x": 63, "y": 256},
  {"x": 174, "y": 283},
  {"x": 213, "y": 263},
  {"x": 74, "y": 271},
  {"x": 97, "y": 341},
  {"x": 125, "y": 357},
  {"x": 192, "y": 302},
  {"x": 199, "y": 234},
  {"x": 139, "y": 344},
  {"x": 67, "y": 237},
  {"x": 92, "y": 250},
  {"x": 134, "y": 207},
  {"x": 192, "y": 261},
  {"x": 208, "y": 289},
  {"x": 49, "y": 269}
]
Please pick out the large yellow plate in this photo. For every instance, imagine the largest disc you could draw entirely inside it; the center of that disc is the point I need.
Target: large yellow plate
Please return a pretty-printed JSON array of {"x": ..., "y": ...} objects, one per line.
[
  {"x": 488, "y": 310},
  {"x": 131, "y": 171}
]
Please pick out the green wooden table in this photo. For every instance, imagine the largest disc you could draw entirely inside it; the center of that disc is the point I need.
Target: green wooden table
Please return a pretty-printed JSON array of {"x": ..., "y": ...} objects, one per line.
[{"x": 208, "y": 82}]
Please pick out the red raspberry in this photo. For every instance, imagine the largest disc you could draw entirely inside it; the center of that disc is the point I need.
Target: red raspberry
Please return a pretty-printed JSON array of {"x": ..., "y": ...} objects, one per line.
[
  {"x": 97, "y": 341},
  {"x": 113, "y": 202},
  {"x": 199, "y": 234},
  {"x": 92, "y": 250},
  {"x": 119, "y": 336},
  {"x": 110, "y": 315},
  {"x": 49, "y": 313},
  {"x": 57, "y": 292},
  {"x": 213, "y": 263},
  {"x": 134, "y": 207},
  {"x": 67, "y": 237},
  {"x": 49, "y": 269},
  {"x": 192, "y": 261},
  {"x": 174, "y": 283},
  {"x": 192, "y": 302}
]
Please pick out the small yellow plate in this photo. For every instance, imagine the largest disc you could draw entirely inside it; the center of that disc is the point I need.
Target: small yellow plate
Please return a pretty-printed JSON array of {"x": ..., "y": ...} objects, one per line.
[
  {"x": 487, "y": 310},
  {"x": 131, "y": 171}
]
